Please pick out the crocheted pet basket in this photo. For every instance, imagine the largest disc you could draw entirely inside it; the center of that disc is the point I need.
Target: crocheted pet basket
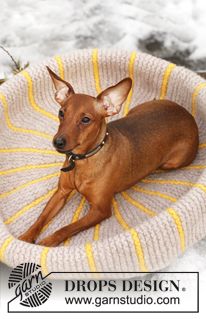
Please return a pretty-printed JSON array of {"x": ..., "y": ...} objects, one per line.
[{"x": 152, "y": 222}]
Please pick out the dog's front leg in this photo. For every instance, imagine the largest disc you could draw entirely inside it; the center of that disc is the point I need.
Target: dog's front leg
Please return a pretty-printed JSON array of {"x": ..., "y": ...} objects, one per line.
[
  {"x": 54, "y": 205},
  {"x": 96, "y": 214}
]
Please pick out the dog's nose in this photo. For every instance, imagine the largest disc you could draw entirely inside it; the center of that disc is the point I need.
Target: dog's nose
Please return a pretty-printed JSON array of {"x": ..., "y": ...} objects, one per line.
[{"x": 59, "y": 142}]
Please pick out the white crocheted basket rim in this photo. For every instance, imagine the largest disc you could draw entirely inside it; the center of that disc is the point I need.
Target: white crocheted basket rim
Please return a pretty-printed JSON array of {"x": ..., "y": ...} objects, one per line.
[{"x": 152, "y": 223}]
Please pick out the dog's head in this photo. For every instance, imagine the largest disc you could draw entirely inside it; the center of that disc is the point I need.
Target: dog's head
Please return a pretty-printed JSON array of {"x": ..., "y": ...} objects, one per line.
[{"x": 82, "y": 116}]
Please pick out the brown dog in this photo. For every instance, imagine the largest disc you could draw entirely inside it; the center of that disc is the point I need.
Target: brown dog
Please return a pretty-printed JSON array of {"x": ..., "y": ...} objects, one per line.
[{"x": 102, "y": 159}]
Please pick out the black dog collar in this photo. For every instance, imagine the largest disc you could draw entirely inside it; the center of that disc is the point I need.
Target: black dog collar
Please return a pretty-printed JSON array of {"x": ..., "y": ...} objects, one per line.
[{"x": 72, "y": 157}]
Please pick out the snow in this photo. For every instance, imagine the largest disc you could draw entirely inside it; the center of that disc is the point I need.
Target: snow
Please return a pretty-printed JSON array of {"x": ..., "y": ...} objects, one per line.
[{"x": 173, "y": 29}]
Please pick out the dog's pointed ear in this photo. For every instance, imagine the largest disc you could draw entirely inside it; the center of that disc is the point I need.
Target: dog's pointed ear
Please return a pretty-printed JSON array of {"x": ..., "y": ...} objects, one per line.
[
  {"x": 63, "y": 89},
  {"x": 109, "y": 102}
]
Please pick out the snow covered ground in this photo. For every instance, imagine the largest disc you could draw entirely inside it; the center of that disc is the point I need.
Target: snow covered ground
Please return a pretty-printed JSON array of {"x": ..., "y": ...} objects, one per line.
[{"x": 173, "y": 29}]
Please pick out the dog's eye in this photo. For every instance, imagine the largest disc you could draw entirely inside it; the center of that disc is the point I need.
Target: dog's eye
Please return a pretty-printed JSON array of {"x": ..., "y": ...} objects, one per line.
[
  {"x": 85, "y": 120},
  {"x": 61, "y": 114}
]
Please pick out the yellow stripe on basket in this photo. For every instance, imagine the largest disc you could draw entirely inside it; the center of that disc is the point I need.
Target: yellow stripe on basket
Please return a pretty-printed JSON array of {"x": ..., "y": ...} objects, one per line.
[
  {"x": 180, "y": 229},
  {"x": 165, "y": 80},
  {"x": 174, "y": 182},
  {"x": 19, "y": 129},
  {"x": 196, "y": 91},
  {"x": 96, "y": 232},
  {"x": 60, "y": 66},
  {"x": 134, "y": 235},
  {"x": 16, "y": 189},
  {"x": 90, "y": 257},
  {"x": 76, "y": 216},
  {"x": 171, "y": 211},
  {"x": 202, "y": 145},
  {"x": 4, "y": 246},
  {"x": 32, "y": 101},
  {"x": 138, "y": 205},
  {"x": 154, "y": 193},
  {"x": 30, "y": 150},
  {"x": 187, "y": 168},
  {"x": 191, "y": 167},
  {"x": 96, "y": 70},
  {"x": 28, "y": 167},
  {"x": 27, "y": 207},
  {"x": 131, "y": 75},
  {"x": 43, "y": 260}
]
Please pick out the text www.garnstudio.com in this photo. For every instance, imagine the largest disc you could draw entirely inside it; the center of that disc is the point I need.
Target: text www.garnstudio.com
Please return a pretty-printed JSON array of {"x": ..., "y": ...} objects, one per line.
[{"x": 126, "y": 300}]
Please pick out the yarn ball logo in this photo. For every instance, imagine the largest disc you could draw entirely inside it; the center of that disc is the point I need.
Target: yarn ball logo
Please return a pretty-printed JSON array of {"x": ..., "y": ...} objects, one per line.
[{"x": 29, "y": 284}]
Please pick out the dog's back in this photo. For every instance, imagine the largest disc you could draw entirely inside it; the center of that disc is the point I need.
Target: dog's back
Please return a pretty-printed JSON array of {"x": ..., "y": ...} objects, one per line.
[{"x": 160, "y": 133}]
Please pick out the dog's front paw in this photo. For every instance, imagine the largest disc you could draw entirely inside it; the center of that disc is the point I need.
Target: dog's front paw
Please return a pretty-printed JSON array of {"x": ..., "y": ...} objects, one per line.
[
  {"x": 27, "y": 237},
  {"x": 49, "y": 241}
]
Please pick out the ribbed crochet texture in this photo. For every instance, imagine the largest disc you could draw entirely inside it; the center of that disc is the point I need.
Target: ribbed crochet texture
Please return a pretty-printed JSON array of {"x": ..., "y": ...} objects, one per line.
[{"x": 152, "y": 223}]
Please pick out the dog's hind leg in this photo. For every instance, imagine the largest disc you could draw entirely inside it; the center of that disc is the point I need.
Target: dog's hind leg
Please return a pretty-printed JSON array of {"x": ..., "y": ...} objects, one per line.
[{"x": 181, "y": 155}]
